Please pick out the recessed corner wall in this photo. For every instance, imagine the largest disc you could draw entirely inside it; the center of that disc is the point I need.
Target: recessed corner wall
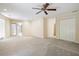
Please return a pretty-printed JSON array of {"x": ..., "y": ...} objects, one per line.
[
  {"x": 37, "y": 28},
  {"x": 26, "y": 28},
  {"x": 7, "y": 27},
  {"x": 51, "y": 27},
  {"x": 77, "y": 28}
]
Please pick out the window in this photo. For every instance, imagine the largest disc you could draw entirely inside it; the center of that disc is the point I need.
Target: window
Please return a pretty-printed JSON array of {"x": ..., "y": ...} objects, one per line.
[
  {"x": 16, "y": 29},
  {"x": 2, "y": 28}
]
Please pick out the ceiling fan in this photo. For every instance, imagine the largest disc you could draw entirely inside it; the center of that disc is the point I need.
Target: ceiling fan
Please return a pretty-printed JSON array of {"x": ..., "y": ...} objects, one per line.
[{"x": 44, "y": 9}]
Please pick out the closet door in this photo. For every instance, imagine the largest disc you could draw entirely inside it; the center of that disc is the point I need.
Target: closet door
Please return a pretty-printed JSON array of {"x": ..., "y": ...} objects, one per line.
[
  {"x": 67, "y": 29},
  {"x": 2, "y": 28}
]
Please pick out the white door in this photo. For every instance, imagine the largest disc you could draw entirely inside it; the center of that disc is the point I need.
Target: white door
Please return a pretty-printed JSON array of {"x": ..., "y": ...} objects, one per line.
[{"x": 67, "y": 29}]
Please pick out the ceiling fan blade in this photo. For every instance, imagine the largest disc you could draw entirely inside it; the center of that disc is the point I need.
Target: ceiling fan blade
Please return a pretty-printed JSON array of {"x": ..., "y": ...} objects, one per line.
[
  {"x": 38, "y": 12},
  {"x": 46, "y": 5},
  {"x": 51, "y": 9},
  {"x": 45, "y": 12},
  {"x": 36, "y": 8}
]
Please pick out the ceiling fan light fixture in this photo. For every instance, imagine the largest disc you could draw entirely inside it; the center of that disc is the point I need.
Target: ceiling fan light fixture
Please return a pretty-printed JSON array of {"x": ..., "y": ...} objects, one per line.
[{"x": 45, "y": 9}]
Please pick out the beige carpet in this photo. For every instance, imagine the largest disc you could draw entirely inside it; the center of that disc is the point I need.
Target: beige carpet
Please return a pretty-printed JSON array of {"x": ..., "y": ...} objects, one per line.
[{"x": 30, "y": 46}]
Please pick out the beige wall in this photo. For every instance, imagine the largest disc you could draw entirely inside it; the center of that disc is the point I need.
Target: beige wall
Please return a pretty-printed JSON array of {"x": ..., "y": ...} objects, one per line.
[
  {"x": 12, "y": 21},
  {"x": 77, "y": 28},
  {"x": 42, "y": 27},
  {"x": 50, "y": 25},
  {"x": 37, "y": 28},
  {"x": 7, "y": 28},
  {"x": 58, "y": 27},
  {"x": 45, "y": 27},
  {"x": 26, "y": 28},
  {"x": 26, "y": 25}
]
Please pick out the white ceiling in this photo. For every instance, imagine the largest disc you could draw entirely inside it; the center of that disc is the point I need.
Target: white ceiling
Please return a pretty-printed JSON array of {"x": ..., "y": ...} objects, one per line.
[{"x": 25, "y": 11}]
